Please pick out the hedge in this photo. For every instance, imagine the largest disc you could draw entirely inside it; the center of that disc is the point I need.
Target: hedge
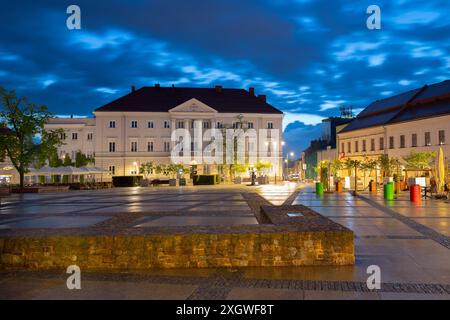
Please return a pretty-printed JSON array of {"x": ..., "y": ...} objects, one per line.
[
  {"x": 126, "y": 181},
  {"x": 206, "y": 179}
]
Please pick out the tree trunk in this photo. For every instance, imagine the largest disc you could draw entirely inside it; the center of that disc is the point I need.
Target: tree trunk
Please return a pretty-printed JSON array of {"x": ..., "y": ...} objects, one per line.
[
  {"x": 356, "y": 179},
  {"x": 22, "y": 178}
]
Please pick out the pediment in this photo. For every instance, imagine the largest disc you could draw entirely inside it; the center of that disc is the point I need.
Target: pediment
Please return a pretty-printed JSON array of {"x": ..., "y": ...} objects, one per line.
[{"x": 193, "y": 105}]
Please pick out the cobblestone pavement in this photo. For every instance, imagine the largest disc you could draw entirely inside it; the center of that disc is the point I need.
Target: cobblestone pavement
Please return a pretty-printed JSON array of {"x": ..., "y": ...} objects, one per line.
[{"x": 407, "y": 242}]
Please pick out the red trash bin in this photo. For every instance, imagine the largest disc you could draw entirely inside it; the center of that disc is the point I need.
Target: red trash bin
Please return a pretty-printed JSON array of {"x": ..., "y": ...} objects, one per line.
[{"x": 415, "y": 193}]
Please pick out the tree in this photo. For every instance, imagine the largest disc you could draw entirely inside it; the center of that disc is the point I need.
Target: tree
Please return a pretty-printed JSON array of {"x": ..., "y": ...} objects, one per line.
[
  {"x": 263, "y": 167},
  {"x": 336, "y": 166},
  {"x": 27, "y": 140},
  {"x": 147, "y": 169},
  {"x": 385, "y": 165},
  {"x": 239, "y": 168},
  {"x": 67, "y": 161},
  {"x": 419, "y": 160},
  {"x": 353, "y": 165},
  {"x": 322, "y": 171},
  {"x": 81, "y": 159}
]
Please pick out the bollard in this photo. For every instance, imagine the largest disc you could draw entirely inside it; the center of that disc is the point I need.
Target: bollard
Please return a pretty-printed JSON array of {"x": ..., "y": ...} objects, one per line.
[
  {"x": 319, "y": 188},
  {"x": 389, "y": 191},
  {"x": 415, "y": 193}
]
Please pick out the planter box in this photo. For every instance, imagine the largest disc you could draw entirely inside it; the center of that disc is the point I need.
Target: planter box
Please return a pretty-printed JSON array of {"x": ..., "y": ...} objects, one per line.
[
  {"x": 172, "y": 182},
  {"x": 182, "y": 182},
  {"x": 262, "y": 180}
]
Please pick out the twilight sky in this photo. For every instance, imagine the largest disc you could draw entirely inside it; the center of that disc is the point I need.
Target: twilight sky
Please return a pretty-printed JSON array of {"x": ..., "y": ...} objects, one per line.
[{"x": 309, "y": 57}]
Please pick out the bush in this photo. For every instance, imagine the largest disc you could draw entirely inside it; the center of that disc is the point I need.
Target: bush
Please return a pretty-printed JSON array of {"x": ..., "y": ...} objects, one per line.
[
  {"x": 126, "y": 181},
  {"x": 206, "y": 179}
]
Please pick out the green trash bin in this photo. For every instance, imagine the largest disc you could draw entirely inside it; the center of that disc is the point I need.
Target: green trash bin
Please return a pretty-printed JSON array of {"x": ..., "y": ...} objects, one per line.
[
  {"x": 389, "y": 191},
  {"x": 319, "y": 188}
]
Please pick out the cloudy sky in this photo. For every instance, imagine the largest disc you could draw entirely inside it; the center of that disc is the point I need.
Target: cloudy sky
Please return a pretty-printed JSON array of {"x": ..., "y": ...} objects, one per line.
[{"x": 309, "y": 57}]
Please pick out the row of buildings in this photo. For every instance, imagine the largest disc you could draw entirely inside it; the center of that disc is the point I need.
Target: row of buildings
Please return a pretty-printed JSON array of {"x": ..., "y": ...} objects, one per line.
[
  {"x": 414, "y": 121},
  {"x": 137, "y": 128}
]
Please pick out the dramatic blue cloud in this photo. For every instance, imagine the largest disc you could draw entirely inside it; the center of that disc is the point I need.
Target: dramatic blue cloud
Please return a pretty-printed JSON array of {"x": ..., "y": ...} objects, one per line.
[{"x": 309, "y": 57}]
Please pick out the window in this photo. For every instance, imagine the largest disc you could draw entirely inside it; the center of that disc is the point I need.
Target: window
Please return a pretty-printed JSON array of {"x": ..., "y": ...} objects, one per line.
[
  {"x": 372, "y": 144},
  {"x": 150, "y": 125},
  {"x": 356, "y": 146},
  {"x": 219, "y": 125},
  {"x": 134, "y": 124},
  {"x": 63, "y": 136},
  {"x": 250, "y": 125},
  {"x": 427, "y": 139},
  {"x": 441, "y": 137},
  {"x": 90, "y": 136},
  {"x": 166, "y": 124},
  {"x": 205, "y": 124},
  {"x": 364, "y": 145},
  {"x": 112, "y": 124},
  {"x": 150, "y": 146},
  {"x": 402, "y": 141},
  {"x": 166, "y": 146},
  {"x": 342, "y": 147},
  {"x": 381, "y": 143},
  {"x": 414, "y": 140},
  {"x": 235, "y": 125},
  {"x": 74, "y": 136},
  {"x": 270, "y": 125},
  {"x": 133, "y": 146},
  {"x": 349, "y": 147},
  {"x": 180, "y": 125},
  {"x": 112, "y": 170},
  {"x": 112, "y": 147},
  {"x": 391, "y": 142}
]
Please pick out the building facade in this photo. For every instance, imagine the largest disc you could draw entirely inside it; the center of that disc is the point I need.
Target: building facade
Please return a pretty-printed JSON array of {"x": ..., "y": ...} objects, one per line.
[
  {"x": 414, "y": 121},
  {"x": 138, "y": 127}
]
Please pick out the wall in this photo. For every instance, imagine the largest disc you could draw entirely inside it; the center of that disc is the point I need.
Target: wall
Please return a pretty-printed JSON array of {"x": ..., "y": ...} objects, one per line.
[{"x": 178, "y": 251}]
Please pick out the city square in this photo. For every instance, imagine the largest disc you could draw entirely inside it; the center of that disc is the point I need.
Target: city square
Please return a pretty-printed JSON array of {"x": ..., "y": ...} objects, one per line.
[{"x": 410, "y": 244}]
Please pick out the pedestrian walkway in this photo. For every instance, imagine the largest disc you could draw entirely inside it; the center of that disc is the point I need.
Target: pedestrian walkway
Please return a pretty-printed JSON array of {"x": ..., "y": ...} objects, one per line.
[{"x": 398, "y": 236}]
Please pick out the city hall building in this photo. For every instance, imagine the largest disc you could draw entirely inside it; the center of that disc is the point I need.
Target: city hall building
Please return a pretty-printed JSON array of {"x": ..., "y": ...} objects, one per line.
[{"x": 137, "y": 128}]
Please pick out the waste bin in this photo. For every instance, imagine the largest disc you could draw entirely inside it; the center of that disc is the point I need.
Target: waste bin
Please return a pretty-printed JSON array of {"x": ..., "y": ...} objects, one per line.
[
  {"x": 389, "y": 191},
  {"x": 415, "y": 193},
  {"x": 319, "y": 188}
]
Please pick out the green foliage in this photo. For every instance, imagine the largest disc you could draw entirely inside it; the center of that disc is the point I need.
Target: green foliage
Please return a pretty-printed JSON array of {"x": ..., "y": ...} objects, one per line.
[
  {"x": 239, "y": 168},
  {"x": 147, "y": 168},
  {"x": 386, "y": 165},
  {"x": 419, "y": 160},
  {"x": 67, "y": 161},
  {"x": 82, "y": 160},
  {"x": 27, "y": 141},
  {"x": 263, "y": 167},
  {"x": 335, "y": 166}
]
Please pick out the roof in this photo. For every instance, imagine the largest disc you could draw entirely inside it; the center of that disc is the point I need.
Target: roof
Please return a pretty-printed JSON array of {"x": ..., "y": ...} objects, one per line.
[
  {"x": 427, "y": 101},
  {"x": 162, "y": 99}
]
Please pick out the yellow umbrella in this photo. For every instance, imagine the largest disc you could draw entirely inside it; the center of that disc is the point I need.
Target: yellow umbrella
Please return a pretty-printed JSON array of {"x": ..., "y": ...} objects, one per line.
[{"x": 441, "y": 170}]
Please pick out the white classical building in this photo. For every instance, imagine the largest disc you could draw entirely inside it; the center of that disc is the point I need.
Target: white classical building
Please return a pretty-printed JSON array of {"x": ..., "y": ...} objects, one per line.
[{"x": 137, "y": 128}]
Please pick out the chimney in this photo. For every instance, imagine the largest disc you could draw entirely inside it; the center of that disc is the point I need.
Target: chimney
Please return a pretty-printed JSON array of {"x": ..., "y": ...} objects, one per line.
[
  {"x": 218, "y": 89},
  {"x": 157, "y": 85},
  {"x": 251, "y": 90},
  {"x": 133, "y": 88},
  {"x": 262, "y": 97}
]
